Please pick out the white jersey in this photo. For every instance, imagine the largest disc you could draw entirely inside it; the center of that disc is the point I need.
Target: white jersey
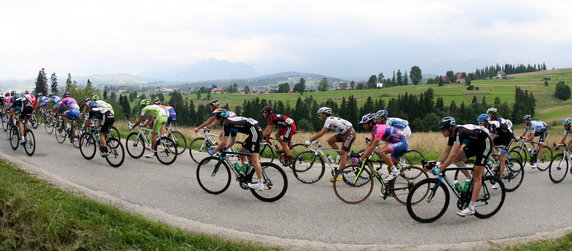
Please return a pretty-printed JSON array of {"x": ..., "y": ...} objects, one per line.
[
  {"x": 337, "y": 124},
  {"x": 103, "y": 104}
]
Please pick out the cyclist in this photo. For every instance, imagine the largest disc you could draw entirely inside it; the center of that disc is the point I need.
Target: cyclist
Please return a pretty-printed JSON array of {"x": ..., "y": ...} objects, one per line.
[
  {"x": 157, "y": 117},
  {"x": 492, "y": 112},
  {"x": 212, "y": 121},
  {"x": 55, "y": 100},
  {"x": 72, "y": 111},
  {"x": 86, "y": 107},
  {"x": 106, "y": 120},
  {"x": 31, "y": 97},
  {"x": 2, "y": 103},
  {"x": 395, "y": 139},
  {"x": 343, "y": 128},
  {"x": 170, "y": 110},
  {"x": 102, "y": 104},
  {"x": 23, "y": 105},
  {"x": 477, "y": 143},
  {"x": 44, "y": 102},
  {"x": 287, "y": 129},
  {"x": 233, "y": 125},
  {"x": 567, "y": 123},
  {"x": 536, "y": 128},
  {"x": 401, "y": 124},
  {"x": 501, "y": 136}
]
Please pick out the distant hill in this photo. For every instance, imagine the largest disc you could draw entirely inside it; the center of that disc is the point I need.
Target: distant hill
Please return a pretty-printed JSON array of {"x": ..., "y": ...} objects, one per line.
[{"x": 203, "y": 70}]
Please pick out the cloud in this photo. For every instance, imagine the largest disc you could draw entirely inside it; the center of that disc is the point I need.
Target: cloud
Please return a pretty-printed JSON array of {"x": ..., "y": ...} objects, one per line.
[{"x": 342, "y": 38}]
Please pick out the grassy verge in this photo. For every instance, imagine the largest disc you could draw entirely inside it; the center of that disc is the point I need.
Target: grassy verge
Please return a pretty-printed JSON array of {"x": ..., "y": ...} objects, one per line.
[
  {"x": 35, "y": 215},
  {"x": 564, "y": 243}
]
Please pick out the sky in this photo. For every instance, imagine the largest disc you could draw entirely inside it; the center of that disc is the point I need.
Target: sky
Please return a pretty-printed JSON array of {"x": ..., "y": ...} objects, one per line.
[{"x": 346, "y": 39}]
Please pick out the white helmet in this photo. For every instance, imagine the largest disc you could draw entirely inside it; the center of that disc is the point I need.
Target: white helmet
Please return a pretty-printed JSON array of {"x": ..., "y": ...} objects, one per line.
[{"x": 326, "y": 110}]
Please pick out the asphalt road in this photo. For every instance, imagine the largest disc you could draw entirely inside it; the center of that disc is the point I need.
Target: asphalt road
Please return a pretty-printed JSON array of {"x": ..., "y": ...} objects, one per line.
[{"x": 307, "y": 212}]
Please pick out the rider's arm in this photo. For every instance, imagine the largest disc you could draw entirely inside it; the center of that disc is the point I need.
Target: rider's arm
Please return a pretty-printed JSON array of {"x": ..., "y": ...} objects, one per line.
[
  {"x": 210, "y": 120},
  {"x": 319, "y": 134},
  {"x": 530, "y": 137},
  {"x": 454, "y": 157},
  {"x": 372, "y": 145},
  {"x": 268, "y": 130},
  {"x": 139, "y": 121},
  {"x": 149, "y": 121},
  {"x": 223, "y": 143},
  {"x": 213, "y": 124},
  {"x": 445, "y": 153}
]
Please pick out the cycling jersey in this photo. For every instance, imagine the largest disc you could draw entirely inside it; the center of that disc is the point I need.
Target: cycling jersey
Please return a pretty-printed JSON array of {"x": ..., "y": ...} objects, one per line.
[
  {"x": 286, "y": 125},
  {"x": 171, "y": 112},
  {"x": 31, "y": 98},
  {"x": 476, "y": 140},
  {"x": 103, "y": 104},
  {"x": 71, "y": 105},
  {"x": 398, "y": 123},
  {"x": 104, "y": 115},
  {"x": 44, "y": 101},
  {"x": 24, "y": 106},
  {"x": 535, "y": 126},
  {"x": 337, "y": 124},
  {"x": 154, "y": 110},
  {"x": 249, "y": 126},
  {"x": 502, "y": 131},
  {"x": 396, "y": 139}
]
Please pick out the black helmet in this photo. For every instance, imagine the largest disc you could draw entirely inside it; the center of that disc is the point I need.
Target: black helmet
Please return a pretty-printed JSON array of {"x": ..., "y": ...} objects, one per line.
[
  {"x": 447, "y": 122},
  {"x": 157, "y": 101},
  {"x": 215, "y": 103},
  {"x": 267, "y": 109},
  {"x": 66, "y": 94}
]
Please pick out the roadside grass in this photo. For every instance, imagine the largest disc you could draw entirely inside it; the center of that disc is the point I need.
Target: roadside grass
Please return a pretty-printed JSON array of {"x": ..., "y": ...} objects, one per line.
[
  {"x": 35, "y": 215},
  {"x": 560, "y": 244}
]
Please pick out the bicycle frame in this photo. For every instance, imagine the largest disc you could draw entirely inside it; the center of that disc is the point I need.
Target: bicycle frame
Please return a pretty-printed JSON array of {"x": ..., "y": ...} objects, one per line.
[{"x": 317, "y": 148}]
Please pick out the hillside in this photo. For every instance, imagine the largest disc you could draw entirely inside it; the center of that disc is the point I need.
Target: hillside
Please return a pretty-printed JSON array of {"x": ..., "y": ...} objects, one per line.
[{"x": 548, "y": 108}]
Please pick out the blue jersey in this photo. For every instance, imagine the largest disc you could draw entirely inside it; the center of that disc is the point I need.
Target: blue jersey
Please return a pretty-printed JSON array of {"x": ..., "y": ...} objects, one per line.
[{"x": 397, "y": 123}]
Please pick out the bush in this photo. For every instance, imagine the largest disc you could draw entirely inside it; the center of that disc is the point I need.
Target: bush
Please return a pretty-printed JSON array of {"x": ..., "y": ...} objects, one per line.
[{"x": 562, "y": 91}]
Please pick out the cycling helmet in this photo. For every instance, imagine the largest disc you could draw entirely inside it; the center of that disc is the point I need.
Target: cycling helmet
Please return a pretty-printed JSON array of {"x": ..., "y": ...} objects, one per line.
[
  {"x": 267, "y": 109},
  {"x": 40, "y": 94},
  {"x": 26, "y": 92},
  {"x": 483, "y": 118},
  {"x": 66, "y": 94},
  {"x": 567, "y": 121},
  {"x": 447, "y": 122},
  {"x": 215, "y": 103},
  {"x": 326, "y": 110},
  {"x": 144, "y": 102},
  {"x": 492, "y": 110},
  {"x": 7, "y": 94},
  {"x": 92, "y": 104},
  {"x": 381, "y": 113},
  {"x": 370, "y": 117},
  {"x": 86, "y": 99},
  {"x": 222, "y": 113},
  {"x": 51, "y": 94},
  {"x": 526, "y": 117},
  {"x": 157, "y": 101},
  {"x": 95, "y": 97},
  {"x": 12, "y": 93},
  {"x": 16, "y": 96}
]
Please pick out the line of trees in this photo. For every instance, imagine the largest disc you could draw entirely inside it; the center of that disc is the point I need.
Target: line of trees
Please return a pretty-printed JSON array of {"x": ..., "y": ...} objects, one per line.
[{"x": 491, "y": 71}]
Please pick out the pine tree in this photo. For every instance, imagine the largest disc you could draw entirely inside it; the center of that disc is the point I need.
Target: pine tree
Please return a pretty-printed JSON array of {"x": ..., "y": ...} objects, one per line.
[
  {"x": 54, "y": 85},
  {"x": 41, "y": 83}
]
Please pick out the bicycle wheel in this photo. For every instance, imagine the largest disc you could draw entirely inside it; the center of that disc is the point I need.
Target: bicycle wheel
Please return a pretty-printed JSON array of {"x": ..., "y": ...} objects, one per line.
[
  {"x": 14, "y": 137},
  {"x": 198, "y": 145},
  {"x": 30, "y": 146},
  {"x": 428, "y": 207},
  {"x": 308, "y": 167},
  {"x": 115, "y": 133},
  {"x": 166, "y": 151},
  {"x": 180, "y": 141},
  {"x": 61, "y": 134},
  {"x": 135, "y": 145},
  {"x": 87, "y": 145},
  {"x": 213, "y": 177},
  {"x": 490, "y": 199},
  {"x": 401, "y": 185},
  {"x": 5, "y": 121},
  {"x": 558, "y": 168},
  {"x": 514, "y": 174},
  {"x": 297, "y": 149},
  {"x": 48, "y": 125},
  {"x": 74, "y": 140},
  {"x": 353, "y": 186},
  {"x": 116, "y": 152},
  {"x": 546, "y": 157},
  {"x": 275, "y": 183},
  {"x": 34, "y": 120}
]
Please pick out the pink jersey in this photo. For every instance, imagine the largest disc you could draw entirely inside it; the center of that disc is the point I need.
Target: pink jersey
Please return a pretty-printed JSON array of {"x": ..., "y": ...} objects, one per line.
[
  {"x": 69, "y": 103},
  {"x": 387, "y": 133}
]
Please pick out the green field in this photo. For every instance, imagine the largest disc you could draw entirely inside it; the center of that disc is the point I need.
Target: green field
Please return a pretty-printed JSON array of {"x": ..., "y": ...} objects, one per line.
[{"x": 548, "y": 107}]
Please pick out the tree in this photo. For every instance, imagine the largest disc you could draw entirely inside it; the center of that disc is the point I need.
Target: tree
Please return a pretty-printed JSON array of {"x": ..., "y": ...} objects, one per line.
[
  {"x": 451, "y": 76},
  {"x": 562, "y": 91},
  {"x": 415, "y": 75},
  {"x": 88, "y": 90},
  {"x": 372, "y": 82},
  {"x": 405, "y": 79},
  {"x": 380, "y": 77},
  {"x": 70, "y": 86},
  {"x": 352, "y": 84},
  {"x": 300, "y": 86},
  {"x": 233, "y": 88},
  {"x": 246, "y": 89},
  {"x": 132, "y": 96},
  {"x": 399, "y": 78},
  {"x": 283, "y": 88},
  {"x": 323, "y": 85},
  {"x": 124, "y": 104},
  {"x": 54, "y": 85},
  {"x": 41, "y": 83}
]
